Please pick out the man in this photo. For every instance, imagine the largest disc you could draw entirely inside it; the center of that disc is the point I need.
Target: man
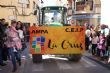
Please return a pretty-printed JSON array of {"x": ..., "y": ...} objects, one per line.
[
  {"x": 1, "y": 44},
  {"x": 87, "y": 38},
  {"x": 106, "y": 31}
]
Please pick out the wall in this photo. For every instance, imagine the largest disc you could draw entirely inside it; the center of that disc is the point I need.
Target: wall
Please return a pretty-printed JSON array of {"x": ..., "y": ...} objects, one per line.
[{"x": 10, "y": 13}]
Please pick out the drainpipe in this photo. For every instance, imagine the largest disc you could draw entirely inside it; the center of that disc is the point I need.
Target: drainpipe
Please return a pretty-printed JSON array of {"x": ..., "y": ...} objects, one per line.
[{"x": 75, "y": 10}]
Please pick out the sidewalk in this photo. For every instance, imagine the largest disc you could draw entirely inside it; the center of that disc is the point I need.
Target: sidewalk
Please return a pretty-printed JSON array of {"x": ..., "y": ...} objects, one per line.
[
  {"x": 8, "y": 67},
  {"x": 96, "y": 59}
]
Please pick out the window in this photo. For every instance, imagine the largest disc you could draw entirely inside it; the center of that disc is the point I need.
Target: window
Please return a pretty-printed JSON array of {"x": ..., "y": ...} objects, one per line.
[
  {"x": 52, "y": 16},
  {"x": 34, "y": 5},
  {"x": 24, "y": 1},
  {"x": 28, "y": 5},
  {"x": 91, "y": 5}
]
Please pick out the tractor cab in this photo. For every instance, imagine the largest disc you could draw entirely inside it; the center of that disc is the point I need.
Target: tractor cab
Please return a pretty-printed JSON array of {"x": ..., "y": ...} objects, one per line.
[{"x": 53, "y": 16}]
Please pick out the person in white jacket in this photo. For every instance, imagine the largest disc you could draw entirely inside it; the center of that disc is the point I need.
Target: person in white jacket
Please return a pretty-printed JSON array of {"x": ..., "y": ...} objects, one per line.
[
  {"x": 20, "y": 31},
  {"x": 95, "y": 40}
]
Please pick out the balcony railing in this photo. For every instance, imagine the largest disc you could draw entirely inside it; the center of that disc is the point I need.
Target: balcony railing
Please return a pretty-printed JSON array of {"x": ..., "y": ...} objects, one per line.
[
  {"x": 80, "y": 7},
  {"x": 83, "y": 9}
]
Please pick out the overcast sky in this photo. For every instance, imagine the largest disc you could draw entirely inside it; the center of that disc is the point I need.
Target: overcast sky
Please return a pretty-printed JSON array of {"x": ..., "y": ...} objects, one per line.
[{"x": 105, "y": 12}]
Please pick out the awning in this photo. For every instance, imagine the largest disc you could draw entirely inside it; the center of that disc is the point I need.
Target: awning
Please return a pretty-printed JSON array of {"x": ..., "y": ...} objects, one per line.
[{"x": 85, "y": 16}]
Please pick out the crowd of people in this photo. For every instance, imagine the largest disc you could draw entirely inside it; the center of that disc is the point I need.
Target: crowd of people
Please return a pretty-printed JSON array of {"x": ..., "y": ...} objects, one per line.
[
  {"x": 11, "y": 42},
  {"x": 98, "y": 41}
]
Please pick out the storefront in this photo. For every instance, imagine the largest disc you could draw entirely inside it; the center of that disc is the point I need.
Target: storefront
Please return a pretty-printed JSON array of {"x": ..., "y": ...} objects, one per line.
[{"x": 90, "y": 19}]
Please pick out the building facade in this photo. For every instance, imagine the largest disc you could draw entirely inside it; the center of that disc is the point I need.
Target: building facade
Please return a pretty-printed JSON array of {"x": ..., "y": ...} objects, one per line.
[
  {"x": 20, "y": 10},
  {"x": 84, "y": 11}
]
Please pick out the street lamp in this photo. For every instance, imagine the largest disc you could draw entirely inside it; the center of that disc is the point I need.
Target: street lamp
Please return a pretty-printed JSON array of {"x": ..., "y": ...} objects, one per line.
[
  {"x": 40, "y": 13},
  {"x": 42, "y": 1}
]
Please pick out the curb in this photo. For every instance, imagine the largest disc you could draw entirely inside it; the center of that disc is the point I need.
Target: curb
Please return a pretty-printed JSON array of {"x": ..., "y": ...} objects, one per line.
[{"x": 99, "y": 62}]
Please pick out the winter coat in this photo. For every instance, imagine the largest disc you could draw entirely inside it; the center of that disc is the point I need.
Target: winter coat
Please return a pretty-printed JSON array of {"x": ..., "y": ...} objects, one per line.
[
  {"x": 101, "y": 43},
  {"x": 108, "y": 40},
  {"x": 13, "y": 39},
  {"x": 2, "y": 35}
]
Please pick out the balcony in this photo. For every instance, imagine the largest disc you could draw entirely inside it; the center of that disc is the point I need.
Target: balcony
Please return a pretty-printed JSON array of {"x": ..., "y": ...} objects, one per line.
[
  {"x": 69, "y": 12},
  {"x": 82, "y": 9}
]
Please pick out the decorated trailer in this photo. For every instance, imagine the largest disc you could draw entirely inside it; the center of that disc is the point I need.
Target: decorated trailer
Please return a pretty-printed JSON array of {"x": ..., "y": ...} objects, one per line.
[{"x": 54, "y": 36}]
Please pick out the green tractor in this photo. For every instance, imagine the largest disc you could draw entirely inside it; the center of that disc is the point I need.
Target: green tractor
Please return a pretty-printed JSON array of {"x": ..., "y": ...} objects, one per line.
[{"x": 54, "y": 16}]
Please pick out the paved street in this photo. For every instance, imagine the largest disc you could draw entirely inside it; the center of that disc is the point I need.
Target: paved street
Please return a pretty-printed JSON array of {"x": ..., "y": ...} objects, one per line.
[
  {"x": 52, "y": 64},
  {"x": 57, "y": 65},
  {"x": 63, "y": 66}
]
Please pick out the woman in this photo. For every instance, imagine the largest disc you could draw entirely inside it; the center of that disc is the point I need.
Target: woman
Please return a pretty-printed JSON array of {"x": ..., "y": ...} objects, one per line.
[
  {"x": 19, "y": 27},
  {"x": 95, "y": 40},
  {"x": 14, "y": 45},
  {"x": 108, "y": 46},
  {"x": 101, "y": 46},
  {"x": 21, "y": 32}
]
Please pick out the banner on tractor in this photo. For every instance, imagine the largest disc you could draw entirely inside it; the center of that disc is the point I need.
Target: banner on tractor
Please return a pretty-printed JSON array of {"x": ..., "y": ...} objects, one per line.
[{"x": 57, "y": 40}]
